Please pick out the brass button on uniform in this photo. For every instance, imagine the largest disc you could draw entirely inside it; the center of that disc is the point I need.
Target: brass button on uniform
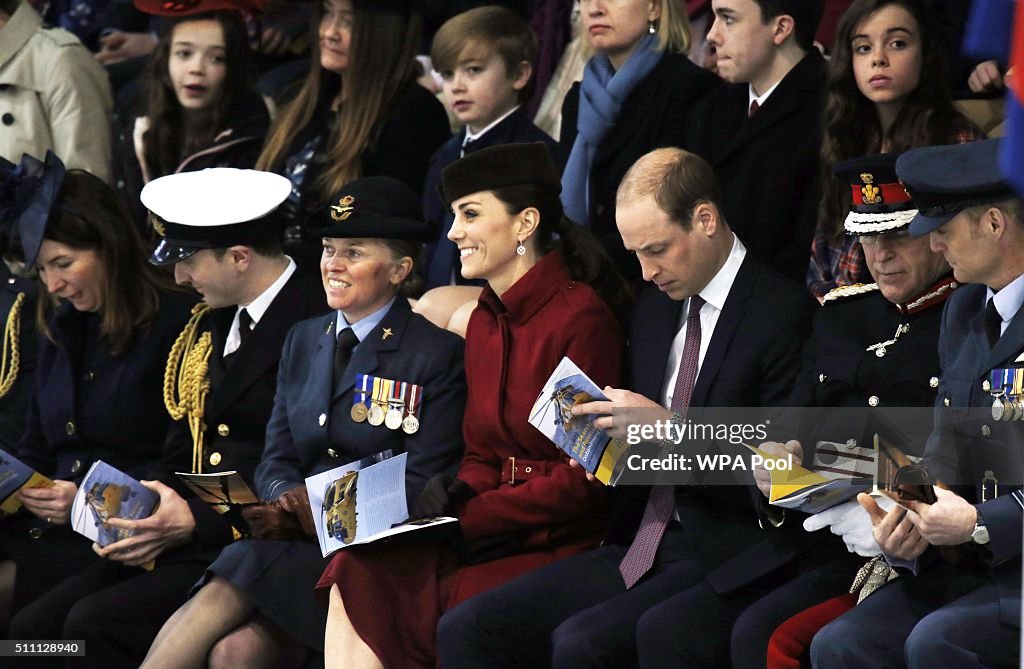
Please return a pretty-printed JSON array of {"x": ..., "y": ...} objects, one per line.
[
  {"x": 322, "y": 419},
  {"x": 873, "y": 401},
  {"x": 821, "y": 378},
  {"x": 331, "y": 452},
  {"x": 945, "y": 401},
  {"x": 985, "y": 430},
  {"x": 223, "y": 430},
  {"x": 35, "y": 532},
  {"x": 933, "y": 382},
  {"x": 986, "y": 386},
  {"x": 69, "y": 427},
  {"x": 76, "y": 466},
  {"x": 89, "y": 376},
  {"x": 215, "y": 458}
]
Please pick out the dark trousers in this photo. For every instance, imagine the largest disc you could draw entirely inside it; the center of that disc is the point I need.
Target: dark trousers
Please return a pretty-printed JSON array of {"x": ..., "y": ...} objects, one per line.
[
  {"x": 704, "y": 628},
  {"x": 572, "y": 613},
  {"x": 116, "y": 610},
  {"x": 940, "y": 619}
]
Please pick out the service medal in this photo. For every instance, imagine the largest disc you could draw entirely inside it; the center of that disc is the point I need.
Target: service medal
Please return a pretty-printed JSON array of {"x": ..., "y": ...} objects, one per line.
[
  {"x": 998, "y": 409},
  {"x": 375, "y": 415},
  {"x": 410, "y": 424},
  {"x": 359, "y": 412},
  {"x": 396, "y": 404}
]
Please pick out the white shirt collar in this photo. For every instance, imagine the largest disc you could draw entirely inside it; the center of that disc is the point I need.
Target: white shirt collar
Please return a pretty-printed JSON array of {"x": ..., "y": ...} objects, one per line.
[
  {"x": 761, "y": 99},
  {"x": 471, "y": 137},
  {"x": 1008, "y": 300},
  {"x": 717, "y": 290},
  {"x": 257, "y": 308}
]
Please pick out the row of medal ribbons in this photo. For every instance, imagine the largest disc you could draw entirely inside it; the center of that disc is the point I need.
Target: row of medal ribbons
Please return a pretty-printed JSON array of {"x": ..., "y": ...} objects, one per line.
[
  {"x": 1006, "y": 386},
  {"x": 380, "y": 401}
]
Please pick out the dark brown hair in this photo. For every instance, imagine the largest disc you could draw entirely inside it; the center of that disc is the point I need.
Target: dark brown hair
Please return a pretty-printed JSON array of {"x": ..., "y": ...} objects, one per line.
[
  {"x": 173, "y": 135},
  {"x": 89, "y": 216},
  {"x": 385, "y": 41},
  {"x": 806, "y": 17},
  {"x": 585, "y": 258}
]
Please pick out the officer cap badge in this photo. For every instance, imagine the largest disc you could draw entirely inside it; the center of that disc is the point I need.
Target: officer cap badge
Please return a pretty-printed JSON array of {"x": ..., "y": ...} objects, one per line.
[
  {"x": 344, "y": 208},
  {"x": 870, "y": 193}
]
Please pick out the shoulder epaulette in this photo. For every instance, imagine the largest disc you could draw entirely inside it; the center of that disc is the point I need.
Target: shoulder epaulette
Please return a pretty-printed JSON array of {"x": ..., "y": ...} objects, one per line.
[{"x": 843, "y": 292}]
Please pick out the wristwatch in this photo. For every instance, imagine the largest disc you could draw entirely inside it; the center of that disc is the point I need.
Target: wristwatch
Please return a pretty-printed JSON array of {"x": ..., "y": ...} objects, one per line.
[{"x": 979, "y": 534}]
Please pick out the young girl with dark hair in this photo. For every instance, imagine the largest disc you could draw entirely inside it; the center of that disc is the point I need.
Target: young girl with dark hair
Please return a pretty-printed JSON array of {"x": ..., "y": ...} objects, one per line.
[
  {"x": 886, "y": 92},
  {"x": 359, "y": 112},
  {"x": 200, "y": 107}
]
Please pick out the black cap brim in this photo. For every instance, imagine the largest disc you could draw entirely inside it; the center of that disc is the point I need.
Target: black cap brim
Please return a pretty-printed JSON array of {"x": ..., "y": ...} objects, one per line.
[{"x": 168, "y": 252}]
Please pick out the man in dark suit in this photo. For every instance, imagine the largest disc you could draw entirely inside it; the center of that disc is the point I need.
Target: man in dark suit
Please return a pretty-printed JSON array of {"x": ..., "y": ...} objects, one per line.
[
  {"x": 762, "y": 133},
  {"x": 584, "y": 610},
  {"x": 957, "y": 610},
  {"x": 252, "y": 296}
]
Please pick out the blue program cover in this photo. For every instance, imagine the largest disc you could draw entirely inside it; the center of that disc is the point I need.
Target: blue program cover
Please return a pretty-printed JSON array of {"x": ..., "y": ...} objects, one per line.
[
  {"x": 576, "y": 435},
  {"x": 105, "y": 493},
  {"x": 15, "y": 475}
]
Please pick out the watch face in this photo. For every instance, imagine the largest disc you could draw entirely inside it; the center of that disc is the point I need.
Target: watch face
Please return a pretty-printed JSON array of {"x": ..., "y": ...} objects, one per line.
[{"x": 980, "y": 534}]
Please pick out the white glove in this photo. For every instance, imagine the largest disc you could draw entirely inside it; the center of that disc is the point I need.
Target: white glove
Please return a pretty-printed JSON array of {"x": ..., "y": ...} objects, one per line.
[{"x": 850, "y": 521}]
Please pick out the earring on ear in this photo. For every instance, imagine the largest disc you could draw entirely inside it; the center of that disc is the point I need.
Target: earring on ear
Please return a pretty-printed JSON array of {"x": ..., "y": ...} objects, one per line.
[
  {"x": 520, "y": 250},
  {"x": 652, "y": 27}
]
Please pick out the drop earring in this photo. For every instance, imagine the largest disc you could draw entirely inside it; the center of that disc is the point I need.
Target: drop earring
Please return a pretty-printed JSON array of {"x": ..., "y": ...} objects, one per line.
[
  {"x": 651, "y": 28},
  {"x": 520, "y": 250}
]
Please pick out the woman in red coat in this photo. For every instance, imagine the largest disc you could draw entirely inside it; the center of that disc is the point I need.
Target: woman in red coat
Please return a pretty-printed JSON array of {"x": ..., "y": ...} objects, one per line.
[{"x": 550, "y": 293}]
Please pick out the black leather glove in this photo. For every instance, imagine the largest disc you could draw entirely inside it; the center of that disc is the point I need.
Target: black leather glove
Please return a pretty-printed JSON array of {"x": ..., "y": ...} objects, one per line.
[
  {"x": 296, "y": 501},
  {"x": 433, "y": 501},
  {"x": 270, "y": 521}
]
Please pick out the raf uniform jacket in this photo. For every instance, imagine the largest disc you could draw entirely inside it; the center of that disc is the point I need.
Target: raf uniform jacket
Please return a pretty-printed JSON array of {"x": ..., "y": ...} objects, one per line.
[
  {"x": 241, "y": 397},
  {"x": 14, "y": 405},
  {"x": 768, "y": 163},
  {"x": 656, "y": 114},
  {"x": 53, "y": 95},
  {"x": 747, "y": 364},
  {"x": 311, "y": 429},
  {"x": 967, "y": 443},
  {"x": 441, "y": 256}
]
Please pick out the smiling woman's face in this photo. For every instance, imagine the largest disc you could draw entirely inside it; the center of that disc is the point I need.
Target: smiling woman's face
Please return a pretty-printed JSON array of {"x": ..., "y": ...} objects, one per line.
[{"x": 71, "y": 274}]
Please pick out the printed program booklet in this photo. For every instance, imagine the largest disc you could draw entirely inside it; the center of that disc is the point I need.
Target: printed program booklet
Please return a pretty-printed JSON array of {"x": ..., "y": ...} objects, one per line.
[
  {"x": 598, "y": 453},
  {"x": 364, "y": 501},
  {"x": 226, "y": 492},
  {"x": 810, "y": 491},
  {"x": 105, "y": 493},
  {"x": 15, "y": 475}
]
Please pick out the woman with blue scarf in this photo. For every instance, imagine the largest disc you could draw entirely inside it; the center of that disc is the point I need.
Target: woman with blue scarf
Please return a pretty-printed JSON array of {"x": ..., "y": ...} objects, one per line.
[{"x": 637, "y": 94}]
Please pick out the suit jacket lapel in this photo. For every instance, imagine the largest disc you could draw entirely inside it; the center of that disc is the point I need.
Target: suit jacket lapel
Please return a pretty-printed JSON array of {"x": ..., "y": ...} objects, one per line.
[
  {"x": 725, "y": 328},
  {"x": 263, "y": 348},
  {"x": 788, "y": 99},
  {"x": 661, "y": 323},
  {"x": 1009, "y": 345}
]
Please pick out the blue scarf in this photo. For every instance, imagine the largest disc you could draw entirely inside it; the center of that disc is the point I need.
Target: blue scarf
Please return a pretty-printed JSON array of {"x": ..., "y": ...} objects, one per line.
[{"x": 601, "y": 96}]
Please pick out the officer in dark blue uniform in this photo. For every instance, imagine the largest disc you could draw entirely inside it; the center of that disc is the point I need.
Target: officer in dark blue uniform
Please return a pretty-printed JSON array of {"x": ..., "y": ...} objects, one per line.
[
  {"x": 958, "y": 603},
  {"x": 369, "y": 376},
  {"x": 221, "y": 233}
]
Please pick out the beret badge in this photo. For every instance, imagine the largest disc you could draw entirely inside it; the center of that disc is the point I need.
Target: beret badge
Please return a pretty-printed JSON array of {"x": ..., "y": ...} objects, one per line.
[{"x": 344, "y": 208}]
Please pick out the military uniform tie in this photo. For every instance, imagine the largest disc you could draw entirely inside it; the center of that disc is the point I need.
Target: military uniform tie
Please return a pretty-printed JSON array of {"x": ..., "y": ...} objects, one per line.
[
  {"x": 640, "y": 557},
  {"x": 347, "y": 341},
  {"x": 993, "y": 323}
]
